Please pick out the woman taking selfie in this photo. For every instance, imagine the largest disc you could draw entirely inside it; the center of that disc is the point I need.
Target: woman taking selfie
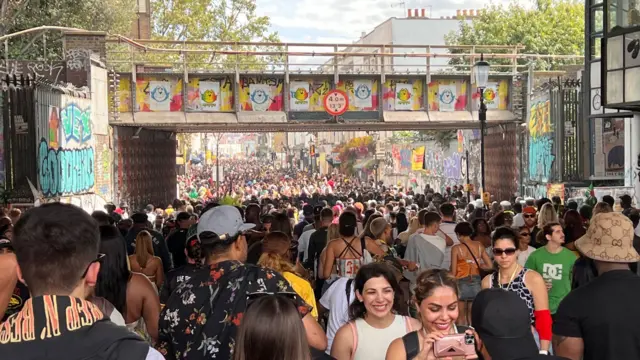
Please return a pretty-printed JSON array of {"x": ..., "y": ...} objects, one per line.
[
  {"x": 436, "y": 295},
  {"x": 529, "y": 285},
  {"x": 374, "y": 320}
]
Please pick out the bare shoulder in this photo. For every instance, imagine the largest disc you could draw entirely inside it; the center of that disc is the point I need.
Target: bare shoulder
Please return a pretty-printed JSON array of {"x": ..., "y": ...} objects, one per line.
[
  {"x": 396, "y": 350},
  {"x": 415, "y": 324},
  {"x": 486, "y": 282},
  {"x": 533, "y": 278}
]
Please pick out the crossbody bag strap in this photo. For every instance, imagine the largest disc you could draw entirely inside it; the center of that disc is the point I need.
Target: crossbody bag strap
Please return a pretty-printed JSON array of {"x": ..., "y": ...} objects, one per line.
[{"x": 473, "y": 256}]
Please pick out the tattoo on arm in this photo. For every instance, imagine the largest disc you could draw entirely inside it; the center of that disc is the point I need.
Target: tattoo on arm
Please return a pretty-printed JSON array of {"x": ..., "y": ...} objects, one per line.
[{"x": 557, "y": 340}]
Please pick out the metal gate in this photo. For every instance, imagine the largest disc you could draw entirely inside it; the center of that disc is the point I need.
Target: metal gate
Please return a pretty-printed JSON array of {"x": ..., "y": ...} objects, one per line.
[{"x": 18, "y": 118}]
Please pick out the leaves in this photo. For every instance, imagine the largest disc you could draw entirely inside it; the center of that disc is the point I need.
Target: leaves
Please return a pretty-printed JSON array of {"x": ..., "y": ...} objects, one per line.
[{"x": 552, "y": 27}]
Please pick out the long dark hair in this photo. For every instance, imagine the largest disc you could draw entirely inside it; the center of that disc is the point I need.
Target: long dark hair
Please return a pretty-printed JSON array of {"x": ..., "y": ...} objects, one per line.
[
  {"x": 256, "y": 339},
  {"x": 281, "y": 223},
  {"x": 357, "y": 309},
  {"x": 402, "y": 223},
  {"x": 573, "y": 227},
  {"x": 114, "y": 269},
  {"x": 584, "y": 271}
]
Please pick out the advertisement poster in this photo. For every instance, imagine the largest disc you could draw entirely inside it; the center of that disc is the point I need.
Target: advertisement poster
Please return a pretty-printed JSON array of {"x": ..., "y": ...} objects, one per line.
[
  {"x": 491, "y": 98},
  {"x": 608, "y": 148},
  {"x": 555, "y": 190},
  {"x": 404, "y": 97},
  {"x": 447, "y": 97},
  {"x": 260, "y": 96},
  {"x": 210, "y": 95},
  {"x": 299, "y": 96},
  {"x": 417, "y": 160},
  {"x": 159, "y": 95},
  {"x": 362, "y": 93}
]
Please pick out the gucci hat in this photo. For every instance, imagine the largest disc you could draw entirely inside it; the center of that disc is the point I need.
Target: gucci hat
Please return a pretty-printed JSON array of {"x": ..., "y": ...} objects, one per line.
[{"x": 609, "y": 238}]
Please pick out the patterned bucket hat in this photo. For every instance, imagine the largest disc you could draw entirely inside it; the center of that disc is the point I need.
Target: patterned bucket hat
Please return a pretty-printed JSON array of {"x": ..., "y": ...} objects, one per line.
[{"x": 610, "y": 239}]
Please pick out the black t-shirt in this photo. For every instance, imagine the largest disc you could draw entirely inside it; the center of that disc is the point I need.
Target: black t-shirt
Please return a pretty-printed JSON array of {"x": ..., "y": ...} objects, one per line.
[
  {"x": 176, "y": 244},
  {"x": 18, "y": 298},
  {"x": 605, "y": 314}
]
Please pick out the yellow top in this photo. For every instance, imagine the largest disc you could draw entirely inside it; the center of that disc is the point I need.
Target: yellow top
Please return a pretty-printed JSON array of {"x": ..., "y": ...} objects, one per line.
[{"x": 304, "y": 289}]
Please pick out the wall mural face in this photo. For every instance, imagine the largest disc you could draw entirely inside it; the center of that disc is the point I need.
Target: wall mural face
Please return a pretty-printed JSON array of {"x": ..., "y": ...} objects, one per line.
[
  {"x": 403, "y": 95},
  {"x": 496, "y": 95},
  {"x": 363, "y": 93},
  {"x": 448, "y": 95},
  {"x": 541, "y": 141},
  {"x": 66, "y": 158},
  {"x": 261, "y": 93},
  {"x": 308, "y": 95},
  {"x": 210, "y": 94},
  {"x": 158, "y": 93}
]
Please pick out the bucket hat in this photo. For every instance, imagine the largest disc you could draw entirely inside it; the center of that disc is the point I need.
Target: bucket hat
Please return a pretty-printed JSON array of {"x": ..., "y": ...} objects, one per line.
[{"x": 609, "y": 239}]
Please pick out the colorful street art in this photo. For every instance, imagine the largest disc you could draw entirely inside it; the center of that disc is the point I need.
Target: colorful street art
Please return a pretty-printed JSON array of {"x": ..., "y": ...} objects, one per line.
[
  {"x": 363, "y": 94},
  {"x": 66, "y": 156},
  {"x": 259, "y": 93},
  {"x": 541, "y": 154},
  {"x": 124, "y": 91},
  {"x": 308, "y": 95},
  {"x": 155, "y": 93},
  {"x": 447, "y": 95},
  {"x": 496, "y": 95},
  {"x": 403, "y": 94},
  {"x": 210, "y": 94}
]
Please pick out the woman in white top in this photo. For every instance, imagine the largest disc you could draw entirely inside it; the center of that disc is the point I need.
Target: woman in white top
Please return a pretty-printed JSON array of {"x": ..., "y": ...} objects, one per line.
[
  {"x": 374, "y": 321},
  {"x": 524, "y": 249}
]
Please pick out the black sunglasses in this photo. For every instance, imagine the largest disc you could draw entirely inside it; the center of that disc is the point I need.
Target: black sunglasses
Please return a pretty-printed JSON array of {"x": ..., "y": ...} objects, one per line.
[
  {"x": 509, "y": 251},
  {"x": 528, "y": 216},
  {"x": 252, "y": 297},
  {"x": 100, "y": 256},
  {"x": 525, "y": 234}
]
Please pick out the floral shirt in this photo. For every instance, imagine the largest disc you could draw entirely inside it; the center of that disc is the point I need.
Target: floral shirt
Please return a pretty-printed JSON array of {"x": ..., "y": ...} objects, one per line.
[{"x": 200, "y": 318}]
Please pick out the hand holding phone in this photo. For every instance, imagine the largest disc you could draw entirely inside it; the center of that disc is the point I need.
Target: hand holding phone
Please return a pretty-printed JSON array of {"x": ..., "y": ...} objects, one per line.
[{"x": 456, "y": 345}]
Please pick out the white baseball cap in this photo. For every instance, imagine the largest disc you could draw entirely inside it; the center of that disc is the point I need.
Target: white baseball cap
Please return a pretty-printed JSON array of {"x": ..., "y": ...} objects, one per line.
[{"x": 225, "y": 221}]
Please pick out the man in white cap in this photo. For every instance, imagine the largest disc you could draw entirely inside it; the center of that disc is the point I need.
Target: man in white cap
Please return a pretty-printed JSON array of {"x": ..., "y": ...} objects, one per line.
[
  {"x": 600, "y": 320},
  {"x": 200, "y": 318}
]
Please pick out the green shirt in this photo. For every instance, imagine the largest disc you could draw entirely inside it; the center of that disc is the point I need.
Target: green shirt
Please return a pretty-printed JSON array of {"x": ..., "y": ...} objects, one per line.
[{"x": 556, "y": 267}]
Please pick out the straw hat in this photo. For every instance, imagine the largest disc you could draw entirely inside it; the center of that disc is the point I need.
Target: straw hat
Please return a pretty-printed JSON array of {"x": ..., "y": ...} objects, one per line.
[{"x": 610, "y": 239}]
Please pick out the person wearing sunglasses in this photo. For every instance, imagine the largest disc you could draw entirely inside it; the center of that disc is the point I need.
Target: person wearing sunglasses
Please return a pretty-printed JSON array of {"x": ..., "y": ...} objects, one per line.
[
  {"x": 530, "y": 217},
  {"x": 57, "y": 246},
  {"x": 524, "y": 249},
  {"x": 527, "y": 284}
]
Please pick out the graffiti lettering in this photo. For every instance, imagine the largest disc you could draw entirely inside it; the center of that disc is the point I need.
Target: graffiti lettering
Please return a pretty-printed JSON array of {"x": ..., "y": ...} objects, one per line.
[
  {"x": 452, "y": 166},
  {"x": 65, "y": 171},
  {"x": 76, "y": 123},
  {"x": 541, "y": 158},
  {"x": 271, "y": 81},
  {"x": 77, "y": 59}
]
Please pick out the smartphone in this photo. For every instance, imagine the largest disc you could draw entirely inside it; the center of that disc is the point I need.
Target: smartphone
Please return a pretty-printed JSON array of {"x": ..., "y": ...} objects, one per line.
[{"x": 455, "y": 345}]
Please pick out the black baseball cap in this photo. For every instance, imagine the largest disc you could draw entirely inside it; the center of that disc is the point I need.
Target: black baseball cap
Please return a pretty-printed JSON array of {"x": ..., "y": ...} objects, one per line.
[
  {"x": 139, "y": 218},
  {"x": 501, "y": 319}
]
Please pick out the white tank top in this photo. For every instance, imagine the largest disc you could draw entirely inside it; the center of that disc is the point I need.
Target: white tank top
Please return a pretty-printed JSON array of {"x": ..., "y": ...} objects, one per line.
[{"x": 371, "y": 343}]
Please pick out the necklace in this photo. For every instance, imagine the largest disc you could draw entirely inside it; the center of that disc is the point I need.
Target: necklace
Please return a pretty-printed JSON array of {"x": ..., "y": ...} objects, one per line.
[{"x": 513, "y": 275}]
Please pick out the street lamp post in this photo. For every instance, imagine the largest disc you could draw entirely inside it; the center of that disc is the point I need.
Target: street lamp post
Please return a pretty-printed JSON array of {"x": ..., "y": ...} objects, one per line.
[{"x": 481, "y": 71}]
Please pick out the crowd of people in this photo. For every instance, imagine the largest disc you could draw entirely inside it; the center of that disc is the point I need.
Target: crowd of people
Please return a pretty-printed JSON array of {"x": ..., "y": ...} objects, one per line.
[{"x": 304, "y": 267}]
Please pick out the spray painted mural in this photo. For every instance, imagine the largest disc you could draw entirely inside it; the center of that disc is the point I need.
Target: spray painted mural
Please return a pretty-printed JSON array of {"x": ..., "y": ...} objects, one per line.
[
  {"x": 363, "y": 94},
  {"x": 447, "y": 95},
  {"x": 403, "y": 94},
  {"x": 308, "y": 95},
  {"x": 66, "y": 156},
  {"x": 496, "y": 95},
  {"x": 261, "y": 93},
  {"x": 158, "y": 93},
  {"x": 210, "y": 94},
  {"x": 124, "y": 92},
  {"x": 541, "y": 133}
]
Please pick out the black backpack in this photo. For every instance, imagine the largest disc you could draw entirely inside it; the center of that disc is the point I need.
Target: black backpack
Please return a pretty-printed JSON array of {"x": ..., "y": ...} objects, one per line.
[{"x": 411, "y": 342}]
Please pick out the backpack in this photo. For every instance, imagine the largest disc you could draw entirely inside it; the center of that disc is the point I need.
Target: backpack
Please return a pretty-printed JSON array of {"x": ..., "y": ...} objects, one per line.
[{"x": 411, "y": 342}]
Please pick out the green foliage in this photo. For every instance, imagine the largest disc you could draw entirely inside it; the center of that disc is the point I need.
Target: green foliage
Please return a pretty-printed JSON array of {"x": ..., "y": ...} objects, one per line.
[
  {"x": 554, "y": 27},
  {"x": 114, "y": 16}
]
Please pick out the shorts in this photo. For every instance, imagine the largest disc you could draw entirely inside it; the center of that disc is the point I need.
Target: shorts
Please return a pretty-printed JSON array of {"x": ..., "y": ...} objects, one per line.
[{"x": 469, "y": 287}]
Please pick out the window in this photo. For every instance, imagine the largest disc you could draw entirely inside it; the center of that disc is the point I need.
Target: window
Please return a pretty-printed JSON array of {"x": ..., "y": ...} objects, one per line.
[{"x": 623, "y": 14}]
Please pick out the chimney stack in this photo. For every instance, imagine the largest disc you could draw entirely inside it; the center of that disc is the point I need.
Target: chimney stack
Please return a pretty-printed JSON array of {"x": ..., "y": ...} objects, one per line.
[
  {"x": 408, "y": 13},
  {"x": 458, "y": 13},
  {"x": 464, "y": 13},
  {"x": 423, "y": 13}
]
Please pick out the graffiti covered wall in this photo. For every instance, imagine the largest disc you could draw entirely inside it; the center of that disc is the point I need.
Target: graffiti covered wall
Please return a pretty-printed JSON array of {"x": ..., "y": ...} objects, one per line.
[
  {"x": 308, "y": 94},
  {"x": 496, "y": 95},
  {"x": 158, "y": 93},
  {"x": 403, "y": 94},
  {"x": 261, "y": 93},
  {"x": 210, "y": 94},
  {"x": 124, "y": 93},
  {"x": 448, "y": 95},
  {"x": 541, "y": 139},
  {"x": 363, "y": 93}
]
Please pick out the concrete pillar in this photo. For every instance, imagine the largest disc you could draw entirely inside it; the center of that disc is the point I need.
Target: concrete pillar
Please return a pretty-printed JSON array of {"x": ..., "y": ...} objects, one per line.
[{"x": 635, "y": 155}]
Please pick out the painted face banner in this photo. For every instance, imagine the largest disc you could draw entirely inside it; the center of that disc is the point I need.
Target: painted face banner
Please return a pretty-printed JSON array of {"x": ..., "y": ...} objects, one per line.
[
  {"x": 362, "y": 93},
  {"x": 447, "y": 97},
  {"x": 491, "y": 98},
  {"x": 299, "y": 96},
  {"x": 260, "y": 97},
  {"x": 159, "y": 95},
  {"x": 210, "y": 95},
  {"x": 404, "y": 97}
]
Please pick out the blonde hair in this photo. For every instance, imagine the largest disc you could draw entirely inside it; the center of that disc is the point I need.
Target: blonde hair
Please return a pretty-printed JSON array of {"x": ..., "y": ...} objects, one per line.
[
  {"x": 547, "y": 215},
  {"x": 601, "y": 208},
  {"x": 275, "y": 248},
  {"x": 144, "y": 248}
]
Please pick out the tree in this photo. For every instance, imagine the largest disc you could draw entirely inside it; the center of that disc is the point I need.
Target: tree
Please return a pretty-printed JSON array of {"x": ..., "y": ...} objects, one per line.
[
  {"x": 215, "y": 20},
  {"x": 114, "y": 16},
  {"x": 554, "y": 27}
]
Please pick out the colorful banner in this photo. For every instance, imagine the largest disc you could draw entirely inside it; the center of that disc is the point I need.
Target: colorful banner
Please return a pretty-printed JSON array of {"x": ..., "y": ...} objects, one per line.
[
  {"x": 491, "y": 98},
  {"x": 404, "y": 97},
  {"x": 198, "y": 99},
  {"x": 390, "y": 90},
  {"x": 496, "y": 96},
  {"x": 279, "y": 141},
  {"x": 555, "y": 190},
  {"x": 260, "y": 97},
  {"x": 299, "y": 96},
  {"x": 159, "y": 95},
  {"x": 417, "y": 159},
  {"x": 210, "y": 95},
  {"x": 362, "y": 93},
  {"x": 447, "y": 96}
]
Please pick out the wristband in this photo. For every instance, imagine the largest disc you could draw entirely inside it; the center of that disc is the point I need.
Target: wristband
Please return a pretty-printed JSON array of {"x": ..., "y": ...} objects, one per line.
[{"x": 543, "y": 352}]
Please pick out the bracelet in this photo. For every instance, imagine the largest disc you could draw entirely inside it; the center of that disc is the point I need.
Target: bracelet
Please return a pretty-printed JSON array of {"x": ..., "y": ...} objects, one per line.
[{"x": 543, "y": 352}]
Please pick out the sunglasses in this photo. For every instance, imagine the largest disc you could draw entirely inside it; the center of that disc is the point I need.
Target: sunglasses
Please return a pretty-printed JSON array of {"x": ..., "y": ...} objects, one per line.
[
  {"x": 98, "y": 259},
  {"x": 525, "y": 234},
  {"x": 529, "y": 216},
  {"x": 499, "y": 252},
  {"x": 252, "y": 297}
]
